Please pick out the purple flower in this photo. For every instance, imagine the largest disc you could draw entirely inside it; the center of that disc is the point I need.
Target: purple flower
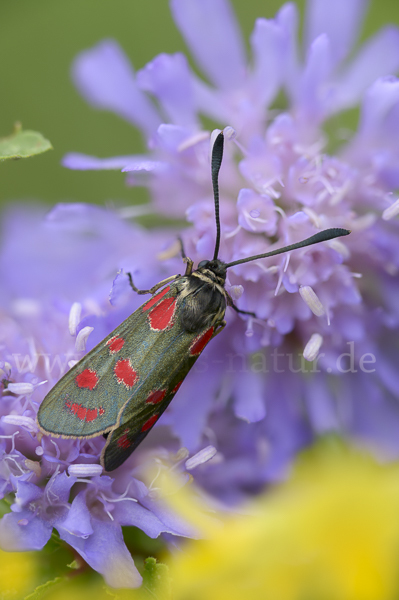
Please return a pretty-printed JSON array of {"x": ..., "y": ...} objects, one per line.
[
  {"x": 278, "y": 179},
  {"x": 57, "y": 270},
  {"x": 254, "y": 395}
]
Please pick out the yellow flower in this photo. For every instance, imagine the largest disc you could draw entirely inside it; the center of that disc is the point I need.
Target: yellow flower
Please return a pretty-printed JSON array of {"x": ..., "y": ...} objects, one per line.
[
  {"x": 331, "y": 532},
  {"x": 17, "y": 574}
]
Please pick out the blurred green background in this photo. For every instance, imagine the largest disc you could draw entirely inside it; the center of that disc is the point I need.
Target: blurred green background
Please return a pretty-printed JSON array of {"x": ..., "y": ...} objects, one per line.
[{"x": 38, "y": 42}]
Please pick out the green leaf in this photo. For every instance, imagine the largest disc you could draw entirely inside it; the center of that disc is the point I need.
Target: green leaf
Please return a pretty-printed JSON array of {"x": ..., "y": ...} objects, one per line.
[
  {"x": 23, "y": 144},
  {"x": 37, "y": 594},
  {"x": 156, "y": 579}
]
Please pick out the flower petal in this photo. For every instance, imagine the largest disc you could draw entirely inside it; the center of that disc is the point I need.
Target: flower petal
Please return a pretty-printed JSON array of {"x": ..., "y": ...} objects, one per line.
[
  {"x": 221, "y": 54},
  {"x": 312, "y": 93},
  {"x": 105, "y": 551},
  {"x": 377, "y": 58},
  {"x": 340, "y": 20},
  {"x": 105, "y": 78},
  {"x": 22, "y": 531},
  {"x": 78, "y": 521},
  {"x": 84, "y": 162},
  {"x": 249, "y": 395},
  {"x": 267, "y": 44},
  {"x": 168, "y": 77}
]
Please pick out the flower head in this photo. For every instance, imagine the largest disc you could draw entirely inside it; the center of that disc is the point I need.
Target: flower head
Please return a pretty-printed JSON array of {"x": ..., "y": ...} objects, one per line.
[
  {"x": 252, "y": 395},
  {"x": 279, "y": 183}
]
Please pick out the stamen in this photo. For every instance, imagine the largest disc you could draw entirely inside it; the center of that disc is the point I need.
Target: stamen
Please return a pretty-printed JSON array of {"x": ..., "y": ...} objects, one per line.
[
  {"x": 340, "y": 248},
  {"x": 200, "y": 458},
  {"x": 81, "y": 338},
  {"x": 85, "y": 470},
  {"x": 313, "y": 216},
  {"x": 250, "y": 330},
  {"x": 22, "y": 421},
  {"x": 309, "y": 296},
  {"x": 232, "y": 233},
  {"x": 391, "y": 211},
  {"x": 236, "y": 291},
  {"x": 74, "y": 317},
  {"x": 230, "y": 133},
  {"x": 33, "y": 465},
  {"x": 193, "y": 140},
  {"x": 21, "y": 389},
  {"x": 313, "y": 346}
]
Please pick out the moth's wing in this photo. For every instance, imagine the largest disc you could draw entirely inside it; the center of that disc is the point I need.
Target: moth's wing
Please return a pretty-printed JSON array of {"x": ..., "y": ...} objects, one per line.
[
  {"x": 89, "y": 398},
  {"x": 180, "y": 350}
]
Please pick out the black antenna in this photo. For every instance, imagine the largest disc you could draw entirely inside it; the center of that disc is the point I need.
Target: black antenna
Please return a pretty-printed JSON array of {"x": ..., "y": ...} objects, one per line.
[
  {"x": 321, "y": 236},
  {"x": 217, "y": 155}
]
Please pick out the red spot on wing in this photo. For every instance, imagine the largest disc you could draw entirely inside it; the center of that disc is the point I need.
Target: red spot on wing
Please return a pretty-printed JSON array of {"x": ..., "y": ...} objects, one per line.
[
  {"x": 87, "y": 379},
  {"x": 123, "y": 441},
  {"x": 156, "y": 397},
  {"x": 91, "y": 414},
  {"x": 125, "y": 373},
  {"x": 155, "y": 298},
  {"x": 201, "y": 341},
  {"x": 177, "y": 386},
  {"x": 161, "y": 317},
  {"x": 115, "y": 344},
  {"x": 101, "y": 411},
  {"x": 83, "y": 413},
  {"x": 148, "y": 424}
]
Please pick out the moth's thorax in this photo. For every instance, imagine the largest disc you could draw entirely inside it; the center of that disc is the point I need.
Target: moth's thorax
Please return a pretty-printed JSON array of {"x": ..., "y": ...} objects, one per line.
[{"x": 203, "y": 299}]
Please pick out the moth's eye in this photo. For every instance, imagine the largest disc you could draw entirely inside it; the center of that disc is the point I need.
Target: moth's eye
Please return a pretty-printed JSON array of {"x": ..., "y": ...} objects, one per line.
[{"x": 203, "y": 263}]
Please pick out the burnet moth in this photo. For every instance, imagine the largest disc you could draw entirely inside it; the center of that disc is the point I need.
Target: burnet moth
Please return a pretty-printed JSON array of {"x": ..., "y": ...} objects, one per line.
[{"x": 127, "y": 381}]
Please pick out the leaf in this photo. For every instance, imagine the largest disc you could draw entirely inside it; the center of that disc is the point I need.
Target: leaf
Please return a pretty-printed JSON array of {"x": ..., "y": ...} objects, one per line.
[
  {"x": 43, "y": 589},
  {"x": 156, "y": 579},
  {"x": 23, "y": 144}
]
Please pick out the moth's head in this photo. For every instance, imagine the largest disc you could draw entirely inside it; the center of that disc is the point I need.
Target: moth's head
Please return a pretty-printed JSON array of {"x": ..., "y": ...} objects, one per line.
[{"x": 213, "y": 267}]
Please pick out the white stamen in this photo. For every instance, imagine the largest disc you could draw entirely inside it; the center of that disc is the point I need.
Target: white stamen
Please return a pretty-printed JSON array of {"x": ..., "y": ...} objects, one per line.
[
  {"x": 129, "y": 212},
  {"x": 39, "y": 451},
  {"x": 324, "y": 181},
  {"x": 363, "y": 222},
  {"x": 26, "y": 307},
  {"x": 74, "y": 317},
  {"x": 21, "y": 389},
  {"x": 236, "y": 291},
  {"x": 170, "y": 252},
  {"x": 313, "y": 216},
  {"x": 313, "y": 346},
  {"x": 26, "y": 422},
  {"x": 82, "y": 470},
  {"x": 193, "y": 140},
  {"x": 81, "y": 338},
  {"x": 250, "y": 329},
  {"x": 340, "y": 248},
  {"x": 200, "y": 458},
  {"x": 340, "y": 193},
  {"x": 33, "y": 465},
  {"x": 232, "y": 233},
  {"x": 391, "y": 211},
  {"x": 72, "y": 363},
  {"x": 229, "y": 133},
  {"x": 309, "y": 296}
]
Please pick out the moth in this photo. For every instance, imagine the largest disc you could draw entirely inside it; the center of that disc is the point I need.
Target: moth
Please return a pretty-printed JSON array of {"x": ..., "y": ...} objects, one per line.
[{"x": 121, "y": 388}]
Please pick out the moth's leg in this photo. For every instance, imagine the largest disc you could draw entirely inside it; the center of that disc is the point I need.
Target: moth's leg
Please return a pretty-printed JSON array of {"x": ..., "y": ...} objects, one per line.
[
  {"x": 154, "y": 288},
  {"x": 238, "y": 310},
  {"x": 188, "y": 261},
  {"x": 219, "y": 327}
]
